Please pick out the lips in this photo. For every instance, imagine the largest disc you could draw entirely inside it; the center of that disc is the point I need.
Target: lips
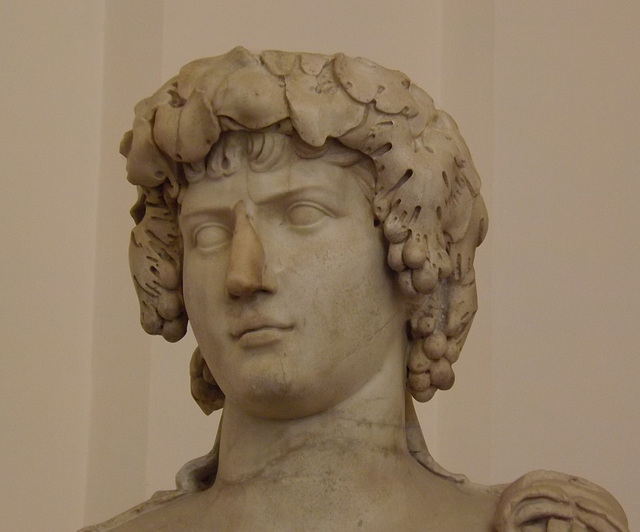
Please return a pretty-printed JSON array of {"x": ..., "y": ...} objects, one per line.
[{"x": 258, "y": 325}]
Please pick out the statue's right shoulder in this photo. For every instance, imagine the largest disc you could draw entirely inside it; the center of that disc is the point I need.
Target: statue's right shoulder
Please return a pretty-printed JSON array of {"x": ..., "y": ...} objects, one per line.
[
  {"x": 158, "y": 500},
  {"x": 548, "y": 501}
]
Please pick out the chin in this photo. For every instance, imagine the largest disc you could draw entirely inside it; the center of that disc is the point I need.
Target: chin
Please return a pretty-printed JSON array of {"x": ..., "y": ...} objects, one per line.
[{"x": 281, "y": 397}]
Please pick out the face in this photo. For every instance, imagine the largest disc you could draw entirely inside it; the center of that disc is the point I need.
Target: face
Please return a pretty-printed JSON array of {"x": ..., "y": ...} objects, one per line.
[{"x": 286, "y": 286}]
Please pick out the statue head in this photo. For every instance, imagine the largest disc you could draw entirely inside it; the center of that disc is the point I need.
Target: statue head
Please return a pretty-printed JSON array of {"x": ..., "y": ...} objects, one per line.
[{"x": 250, "y": 114}]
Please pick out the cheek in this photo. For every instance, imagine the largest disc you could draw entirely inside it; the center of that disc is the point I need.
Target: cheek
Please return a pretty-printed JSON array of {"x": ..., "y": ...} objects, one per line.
[
  {"x": 202, "y": 289},
  {"x": 191, "y": 292},
  {"x": 354, "y": 290}
]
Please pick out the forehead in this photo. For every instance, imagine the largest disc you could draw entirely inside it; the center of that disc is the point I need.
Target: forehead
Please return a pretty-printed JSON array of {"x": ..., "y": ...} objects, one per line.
[{"x": 318, "y": 178}]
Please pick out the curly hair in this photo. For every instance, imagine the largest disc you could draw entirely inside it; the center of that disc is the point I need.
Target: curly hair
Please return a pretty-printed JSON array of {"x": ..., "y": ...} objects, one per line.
[{"x": 426, "y": 195}]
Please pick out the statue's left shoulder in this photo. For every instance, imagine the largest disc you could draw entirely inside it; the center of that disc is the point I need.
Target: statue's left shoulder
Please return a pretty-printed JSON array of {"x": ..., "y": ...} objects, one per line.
[{"x": 548, "y": 501}]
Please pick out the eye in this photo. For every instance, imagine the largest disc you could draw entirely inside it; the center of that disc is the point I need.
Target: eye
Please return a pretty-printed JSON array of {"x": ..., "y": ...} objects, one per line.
[
  {"x": 305, "y": 214},
  {"x": 211, "y": 236}
]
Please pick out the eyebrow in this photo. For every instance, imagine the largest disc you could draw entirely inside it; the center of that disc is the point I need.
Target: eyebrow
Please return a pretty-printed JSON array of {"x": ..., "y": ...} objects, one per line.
[
  {"x": 291, "y": 192},
  {"x": 204, "y": 213},
  {"x": 286, "y": 192}
]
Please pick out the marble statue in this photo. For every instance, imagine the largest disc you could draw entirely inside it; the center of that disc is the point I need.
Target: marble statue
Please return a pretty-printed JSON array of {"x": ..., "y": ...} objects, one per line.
[{"x": 315, "y": 217}]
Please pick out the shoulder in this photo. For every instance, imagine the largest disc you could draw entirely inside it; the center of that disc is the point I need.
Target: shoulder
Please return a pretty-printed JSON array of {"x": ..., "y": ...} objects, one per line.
[
  {"x": 159, "y": 501},
  {"x": 546, "y": 500}
]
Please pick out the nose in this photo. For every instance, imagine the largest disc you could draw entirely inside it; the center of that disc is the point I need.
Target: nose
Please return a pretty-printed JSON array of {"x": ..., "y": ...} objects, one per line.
[{"x": 246, "y": 273}]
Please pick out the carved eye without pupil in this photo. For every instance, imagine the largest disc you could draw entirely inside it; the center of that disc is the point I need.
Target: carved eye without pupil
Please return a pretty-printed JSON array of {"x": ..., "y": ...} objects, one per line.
[
  {"x": 211, "y": 236},
  {"x": 304, "y": 214}
]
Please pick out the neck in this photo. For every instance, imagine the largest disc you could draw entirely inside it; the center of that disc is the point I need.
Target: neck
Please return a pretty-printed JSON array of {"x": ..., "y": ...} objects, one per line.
[{"x": 365, "y": 429}]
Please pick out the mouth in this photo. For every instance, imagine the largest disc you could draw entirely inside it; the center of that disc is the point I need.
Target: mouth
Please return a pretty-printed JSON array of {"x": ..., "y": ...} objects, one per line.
[{"x": 257, "y": 332}]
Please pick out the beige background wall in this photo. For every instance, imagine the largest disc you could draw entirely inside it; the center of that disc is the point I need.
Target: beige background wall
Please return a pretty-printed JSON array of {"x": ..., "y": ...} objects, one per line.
[
  {"x": 96, "y": 415},
  {"x": 50, "y": 87}
]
